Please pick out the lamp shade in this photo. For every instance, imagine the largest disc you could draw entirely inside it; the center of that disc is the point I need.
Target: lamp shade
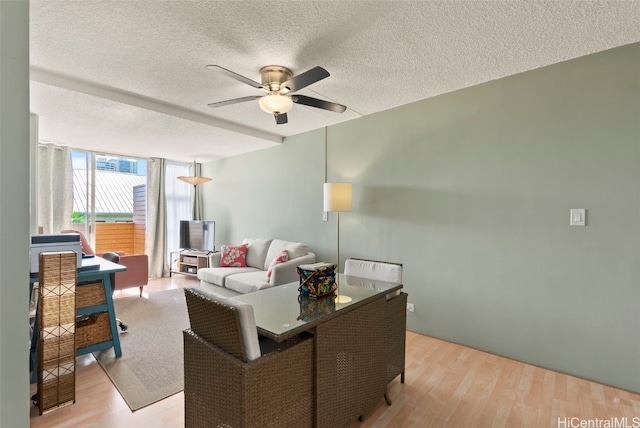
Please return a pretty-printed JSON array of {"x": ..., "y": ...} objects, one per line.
[
  {"x": 196, "y": 181},
  {"x": 337, "y": 197}
]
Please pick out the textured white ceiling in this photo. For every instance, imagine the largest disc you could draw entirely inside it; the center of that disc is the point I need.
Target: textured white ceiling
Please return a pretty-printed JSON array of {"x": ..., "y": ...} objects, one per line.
[{"x": 129, "y": 77}]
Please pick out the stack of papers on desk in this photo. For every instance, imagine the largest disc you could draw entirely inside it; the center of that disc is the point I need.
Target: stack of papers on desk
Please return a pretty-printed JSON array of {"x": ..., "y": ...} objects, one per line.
[{"x": 90, "y": 264}]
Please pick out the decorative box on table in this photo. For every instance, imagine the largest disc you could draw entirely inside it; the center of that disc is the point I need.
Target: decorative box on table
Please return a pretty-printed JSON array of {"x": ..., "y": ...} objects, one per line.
[{"x": 317, "y": 279}]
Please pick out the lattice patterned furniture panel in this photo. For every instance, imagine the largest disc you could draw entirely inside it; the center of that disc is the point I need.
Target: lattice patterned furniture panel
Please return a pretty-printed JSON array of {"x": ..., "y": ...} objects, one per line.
[
  {"x": 56, "y": 330},
  {"x": 351, "y": 365}
]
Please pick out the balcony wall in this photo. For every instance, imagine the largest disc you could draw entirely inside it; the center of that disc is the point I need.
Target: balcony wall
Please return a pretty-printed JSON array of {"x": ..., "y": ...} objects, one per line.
[
  {"x": 119, "y": 237},
  {"x": 115, "y": 237}
]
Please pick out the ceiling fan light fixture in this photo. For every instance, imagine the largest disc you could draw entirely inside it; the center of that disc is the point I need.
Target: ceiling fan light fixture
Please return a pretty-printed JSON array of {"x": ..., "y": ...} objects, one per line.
[
  {"x": 280, "y": 85},
  {"x": 275, "y": 104}
]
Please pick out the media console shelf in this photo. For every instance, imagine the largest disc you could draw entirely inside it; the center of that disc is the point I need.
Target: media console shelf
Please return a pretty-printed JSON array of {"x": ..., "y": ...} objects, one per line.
[{"x": 187, "y": 262}]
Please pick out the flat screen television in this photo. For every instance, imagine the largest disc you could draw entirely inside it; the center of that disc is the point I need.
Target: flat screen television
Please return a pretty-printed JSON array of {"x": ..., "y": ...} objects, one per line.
[{"x": 197, "y": 235}]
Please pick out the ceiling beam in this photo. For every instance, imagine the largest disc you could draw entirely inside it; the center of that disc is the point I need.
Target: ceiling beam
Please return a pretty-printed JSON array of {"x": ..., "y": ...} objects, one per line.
[{"x": 59, "y": 80}]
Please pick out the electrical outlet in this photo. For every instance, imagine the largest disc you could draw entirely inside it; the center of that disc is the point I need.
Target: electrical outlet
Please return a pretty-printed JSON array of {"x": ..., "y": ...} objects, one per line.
[
  {"x": 410, "y": 307},
  {"x": 325, "y": 216}
]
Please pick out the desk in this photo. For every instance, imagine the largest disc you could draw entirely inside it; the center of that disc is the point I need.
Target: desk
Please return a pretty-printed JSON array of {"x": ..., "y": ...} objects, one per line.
[
  {"x": 350, "y": 339},
  {"x": 93, "y": 269}
]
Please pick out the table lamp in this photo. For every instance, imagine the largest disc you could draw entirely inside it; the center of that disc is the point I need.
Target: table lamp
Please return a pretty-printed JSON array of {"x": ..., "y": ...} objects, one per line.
[{"x": 337, "y": 198}]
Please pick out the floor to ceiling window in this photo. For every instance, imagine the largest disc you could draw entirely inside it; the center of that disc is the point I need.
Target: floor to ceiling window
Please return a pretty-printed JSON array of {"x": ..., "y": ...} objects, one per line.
[
  {"x": 108, "y": 200},
  {"x": 179, "y": 196}
]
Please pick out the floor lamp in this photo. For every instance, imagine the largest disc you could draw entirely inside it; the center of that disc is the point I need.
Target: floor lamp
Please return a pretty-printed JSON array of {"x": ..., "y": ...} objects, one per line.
[{"x": 337, "y": 198}]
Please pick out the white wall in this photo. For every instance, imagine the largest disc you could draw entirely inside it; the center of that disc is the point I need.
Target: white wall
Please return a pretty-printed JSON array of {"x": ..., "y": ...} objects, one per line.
[
  {"x": 14, "y": 213},
  {"x": 471, "y": 191}
]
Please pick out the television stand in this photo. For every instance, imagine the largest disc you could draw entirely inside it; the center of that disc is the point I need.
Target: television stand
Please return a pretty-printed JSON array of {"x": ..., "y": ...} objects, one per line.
[
  {"x": 187, "y": 262},
  {"x": 205, "y": 252}
]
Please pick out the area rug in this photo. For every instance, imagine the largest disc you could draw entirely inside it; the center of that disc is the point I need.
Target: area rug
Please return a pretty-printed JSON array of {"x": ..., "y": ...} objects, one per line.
[{"x": 151, "y": 366}]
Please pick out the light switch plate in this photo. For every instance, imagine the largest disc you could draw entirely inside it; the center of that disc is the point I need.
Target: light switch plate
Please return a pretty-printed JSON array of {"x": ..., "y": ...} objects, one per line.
[{"x": 578, "y": 217}]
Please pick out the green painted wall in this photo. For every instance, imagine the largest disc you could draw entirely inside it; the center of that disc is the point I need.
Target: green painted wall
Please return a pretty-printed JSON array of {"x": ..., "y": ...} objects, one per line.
[
  {"x": 471, "y": 191},
  {"x": 14, "y": 213},
  {"x": 269, "y": 193}
]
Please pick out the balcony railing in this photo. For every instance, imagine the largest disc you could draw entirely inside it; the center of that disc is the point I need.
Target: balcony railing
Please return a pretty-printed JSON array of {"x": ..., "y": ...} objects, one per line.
[{"x": 126, "y": 237}]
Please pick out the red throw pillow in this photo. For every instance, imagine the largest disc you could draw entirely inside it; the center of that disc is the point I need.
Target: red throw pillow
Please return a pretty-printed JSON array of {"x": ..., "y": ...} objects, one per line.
[
  {"x": 280, "y": 258},
  {"x": 233, "y": 256}
]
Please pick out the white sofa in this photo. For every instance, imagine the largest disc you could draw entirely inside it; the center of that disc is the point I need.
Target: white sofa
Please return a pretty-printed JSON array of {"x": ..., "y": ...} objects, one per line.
[{"x": 231, "y": 281}]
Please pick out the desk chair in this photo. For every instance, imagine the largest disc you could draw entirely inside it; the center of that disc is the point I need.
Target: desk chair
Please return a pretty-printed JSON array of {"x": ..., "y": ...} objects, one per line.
[
  {"x": 115, "y": 258},
  {"x": 120, "y": 280},
  {"x": 232, "y": 379},
  {"x": 395, "y": 316},
  {"x": 137, "y": 273}
]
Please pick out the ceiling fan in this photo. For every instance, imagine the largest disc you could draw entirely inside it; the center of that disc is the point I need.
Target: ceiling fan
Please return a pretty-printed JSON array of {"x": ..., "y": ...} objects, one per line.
[{"x": 278, "y": 82}]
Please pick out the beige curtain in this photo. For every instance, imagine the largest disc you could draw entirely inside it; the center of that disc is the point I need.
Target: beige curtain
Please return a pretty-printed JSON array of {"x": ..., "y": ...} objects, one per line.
[
  {"x": 197, "y": 196},
  {"x": 54, "y": 188},
  {"x": 156, "y": 234},
  {"x": 179, "y": 202}
]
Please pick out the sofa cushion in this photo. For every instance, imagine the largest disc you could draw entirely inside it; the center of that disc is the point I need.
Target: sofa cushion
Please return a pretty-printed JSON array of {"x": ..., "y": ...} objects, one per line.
[
  {"x": 295, "y": 250},
  {"x": 247, "y": 282},
  {"x": 281, "y": 258},
  {"x": 212, "y": 288},
  {"x": 217, "y": 275},
  {"x": 233, "y": 256},
  {"x": 257, "y": 251}
]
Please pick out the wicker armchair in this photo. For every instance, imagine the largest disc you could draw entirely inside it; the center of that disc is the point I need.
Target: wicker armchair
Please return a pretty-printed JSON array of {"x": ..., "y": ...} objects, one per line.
[
  {"x": 395, "y": 314},
  {"x": 230, "y": 383}
]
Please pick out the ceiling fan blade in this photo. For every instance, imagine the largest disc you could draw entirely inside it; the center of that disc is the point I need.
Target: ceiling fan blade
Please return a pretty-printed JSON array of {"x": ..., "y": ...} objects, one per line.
[
  {"x": 236, "y": 76},
  {"x": 281, "y": 118},
  {"x": 305, "y": 79},
  {"x": 234, "y": 101},
  {"x": 314, "y": 102}
]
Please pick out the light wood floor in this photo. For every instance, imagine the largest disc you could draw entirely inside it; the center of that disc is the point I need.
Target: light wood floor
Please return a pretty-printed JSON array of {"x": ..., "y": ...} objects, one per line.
[{"x": 447, "y": 385}]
